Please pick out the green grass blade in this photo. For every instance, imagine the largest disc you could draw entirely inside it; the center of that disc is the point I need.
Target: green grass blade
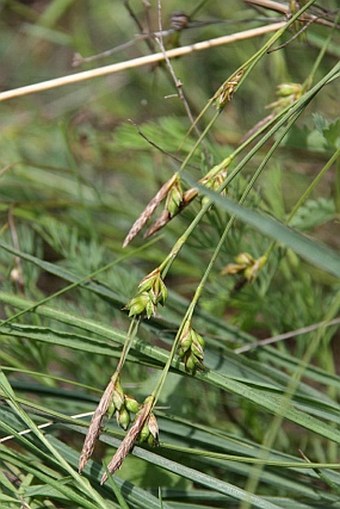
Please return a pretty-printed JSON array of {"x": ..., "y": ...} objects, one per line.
[{"x": 319, "y": 255}]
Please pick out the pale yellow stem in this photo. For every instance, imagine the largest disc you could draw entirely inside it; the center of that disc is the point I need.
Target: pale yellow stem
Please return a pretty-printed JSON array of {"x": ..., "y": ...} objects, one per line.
[{"x": 137, "y": 62}]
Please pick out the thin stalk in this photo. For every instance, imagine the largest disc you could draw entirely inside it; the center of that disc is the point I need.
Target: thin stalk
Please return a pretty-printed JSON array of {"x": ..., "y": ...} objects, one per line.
[
  {"x": 244, "y": 196},
  {"x": 200, "y": 138},
  {"x": 178, "y": 84},
  {"x": 204, "y": 453},
  {"x": 118, "y": 494},
  {"x": 132, "y": 332},
  {"x": 191, "y": 308},
  {"x": 243, "y": 70},
  {"x": 291, "y": 117},
  {"x": 44, "y": 425},
  {"x": 286, "y": 335},
  {"x": 318, "y": 61}
]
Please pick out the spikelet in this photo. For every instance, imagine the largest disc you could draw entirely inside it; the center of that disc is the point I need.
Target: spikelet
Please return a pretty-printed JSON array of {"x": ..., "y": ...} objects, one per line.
[
  {"x": 130, "y": 438},
  {"x": 149, "y": 210}
]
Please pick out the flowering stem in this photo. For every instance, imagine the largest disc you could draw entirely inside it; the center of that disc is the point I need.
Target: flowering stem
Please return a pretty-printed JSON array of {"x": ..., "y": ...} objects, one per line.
[
  {"x": 133, "y": 328},
  {"x": 230, "y": 223},
  {"x": 276, "y": 124},
  {"x": 243, "y": 72},
  {"x": 190, "y": 310}
]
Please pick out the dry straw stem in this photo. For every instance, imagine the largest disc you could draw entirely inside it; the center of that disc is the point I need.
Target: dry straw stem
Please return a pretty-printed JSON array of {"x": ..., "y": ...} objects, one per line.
[
  {"x": 285, "y": 9},
  {"x": 47, "y": 424},
  {"x": 138, "y": 62},
  {"x": 286, "y": 335}
]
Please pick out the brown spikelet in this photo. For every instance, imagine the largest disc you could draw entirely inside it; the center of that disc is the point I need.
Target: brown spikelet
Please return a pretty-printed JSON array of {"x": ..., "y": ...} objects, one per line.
[
  {"x": 225, "y": 93},
  {"x": 163, "y": 219},
  {"x": 129, "y": 440},
  {"x": 166, "y": 217},
  {"x": 149, "y": 210},
  {"x": 95, "y": 425},
  {"x": 189, "y": 195}
]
